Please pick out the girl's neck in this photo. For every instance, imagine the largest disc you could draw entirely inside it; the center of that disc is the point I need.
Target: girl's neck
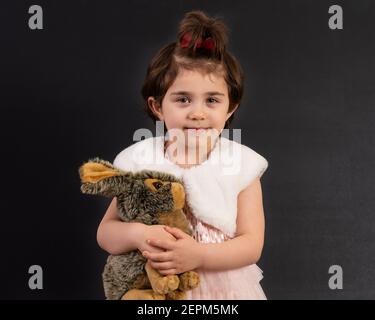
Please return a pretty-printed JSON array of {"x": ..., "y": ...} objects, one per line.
[{"x": 190, "y": 157}]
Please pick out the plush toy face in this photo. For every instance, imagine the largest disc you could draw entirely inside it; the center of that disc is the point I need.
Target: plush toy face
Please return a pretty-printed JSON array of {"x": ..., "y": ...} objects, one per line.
[
  {"x": 176, "y": 189},
  {"x": 140, "y": 196}
]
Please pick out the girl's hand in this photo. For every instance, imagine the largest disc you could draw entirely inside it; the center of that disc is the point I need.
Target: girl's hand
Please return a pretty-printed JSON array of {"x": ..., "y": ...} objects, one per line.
[
  {"x": 179, "y": 256},
  {"x": 153, "y": 232}
]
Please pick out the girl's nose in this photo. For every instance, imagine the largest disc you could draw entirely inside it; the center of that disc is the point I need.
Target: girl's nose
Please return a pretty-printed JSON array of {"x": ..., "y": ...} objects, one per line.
[
  {"x": 197, "y": 113},
  {"x": 197, "y": 116}
]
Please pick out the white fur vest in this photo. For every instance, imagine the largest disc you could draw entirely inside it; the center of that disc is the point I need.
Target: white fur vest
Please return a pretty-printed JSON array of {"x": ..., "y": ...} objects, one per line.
[{"x": 211, "y": 187}]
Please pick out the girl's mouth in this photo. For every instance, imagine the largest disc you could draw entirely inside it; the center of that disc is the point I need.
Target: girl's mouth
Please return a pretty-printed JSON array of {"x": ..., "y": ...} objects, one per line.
[{"x": 196, "y": 129}]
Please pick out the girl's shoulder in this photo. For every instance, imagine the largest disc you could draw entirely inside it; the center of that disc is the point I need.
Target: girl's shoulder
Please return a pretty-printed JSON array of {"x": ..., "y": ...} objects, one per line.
[
  {"x": 249, "y": 163},
  {"x": 135, "y": 154}
]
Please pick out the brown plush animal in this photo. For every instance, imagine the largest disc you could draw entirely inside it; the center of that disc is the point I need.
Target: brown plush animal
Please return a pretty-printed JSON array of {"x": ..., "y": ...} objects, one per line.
[{"x": 149, "y": 197}]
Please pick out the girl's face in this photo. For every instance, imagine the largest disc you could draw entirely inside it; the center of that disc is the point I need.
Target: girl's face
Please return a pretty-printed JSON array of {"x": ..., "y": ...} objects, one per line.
[{"x": 195, "y": 100}]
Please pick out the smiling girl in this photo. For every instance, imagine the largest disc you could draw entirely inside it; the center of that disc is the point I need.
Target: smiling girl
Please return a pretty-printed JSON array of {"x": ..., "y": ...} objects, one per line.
[{"x": 194, "y": 86}]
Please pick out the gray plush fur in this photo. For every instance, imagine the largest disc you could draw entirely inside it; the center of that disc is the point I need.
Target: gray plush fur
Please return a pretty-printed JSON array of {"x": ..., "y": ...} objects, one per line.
[{"x": 135, "y": 202}]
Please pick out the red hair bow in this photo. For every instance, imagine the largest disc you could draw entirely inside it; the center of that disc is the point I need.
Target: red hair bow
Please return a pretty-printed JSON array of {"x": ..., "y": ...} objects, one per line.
[{"x": 208, "y": 43}]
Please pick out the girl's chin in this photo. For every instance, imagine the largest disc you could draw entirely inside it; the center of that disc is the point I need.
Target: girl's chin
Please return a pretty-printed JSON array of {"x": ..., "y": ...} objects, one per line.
[
  {"x": 192, "y": 131},
  {"x": 193, "y": 137}
]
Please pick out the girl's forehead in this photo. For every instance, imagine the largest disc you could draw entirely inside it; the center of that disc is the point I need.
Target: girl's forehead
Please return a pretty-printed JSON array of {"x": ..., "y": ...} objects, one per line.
[
  {"x": 199, "y": 80},
  {"x": 200, "y": 72}
]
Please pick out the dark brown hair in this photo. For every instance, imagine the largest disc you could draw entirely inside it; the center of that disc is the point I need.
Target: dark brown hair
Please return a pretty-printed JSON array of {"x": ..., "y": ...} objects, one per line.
[{"x": 163, "y": 68}]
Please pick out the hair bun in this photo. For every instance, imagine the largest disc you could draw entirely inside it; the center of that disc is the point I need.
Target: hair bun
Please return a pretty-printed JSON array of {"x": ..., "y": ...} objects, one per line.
[{"x": 201, "y": 35}]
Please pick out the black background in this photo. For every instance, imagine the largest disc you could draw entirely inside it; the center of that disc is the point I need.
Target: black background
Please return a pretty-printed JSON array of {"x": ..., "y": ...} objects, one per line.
[{"x": 72, "y": 91}]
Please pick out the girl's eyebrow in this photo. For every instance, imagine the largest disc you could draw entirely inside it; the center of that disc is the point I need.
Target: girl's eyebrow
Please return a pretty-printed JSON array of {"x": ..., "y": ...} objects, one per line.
[{"x": 210, "y": 93}]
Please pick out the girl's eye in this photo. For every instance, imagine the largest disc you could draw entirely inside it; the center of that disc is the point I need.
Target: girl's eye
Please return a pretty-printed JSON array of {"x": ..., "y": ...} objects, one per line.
[
  {"x": 212, "y": 100},
  {"x": 183, "y": 99}
]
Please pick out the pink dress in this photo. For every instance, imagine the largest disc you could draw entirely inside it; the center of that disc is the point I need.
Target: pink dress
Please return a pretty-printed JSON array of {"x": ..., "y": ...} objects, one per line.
[{"x": 236, "y": 284}]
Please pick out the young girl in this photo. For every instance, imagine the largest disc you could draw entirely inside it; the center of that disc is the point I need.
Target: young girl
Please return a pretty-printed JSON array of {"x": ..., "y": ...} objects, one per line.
[{"x": 194, "y": 85}]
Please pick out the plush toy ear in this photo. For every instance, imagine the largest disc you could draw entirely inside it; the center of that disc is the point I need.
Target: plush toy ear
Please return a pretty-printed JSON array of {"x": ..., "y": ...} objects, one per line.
[
  {"x": 102, "y": 178},
  {"x": 94, "y": 171}
]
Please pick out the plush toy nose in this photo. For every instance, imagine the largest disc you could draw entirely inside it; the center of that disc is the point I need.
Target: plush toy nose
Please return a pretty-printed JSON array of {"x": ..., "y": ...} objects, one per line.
[{"x": 178, "y": 194}]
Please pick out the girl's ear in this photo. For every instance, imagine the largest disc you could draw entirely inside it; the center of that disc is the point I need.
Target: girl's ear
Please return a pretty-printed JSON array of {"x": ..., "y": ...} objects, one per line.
[
  {"x": 229, "y": 114},
  {"x": 155, "y": 108}
]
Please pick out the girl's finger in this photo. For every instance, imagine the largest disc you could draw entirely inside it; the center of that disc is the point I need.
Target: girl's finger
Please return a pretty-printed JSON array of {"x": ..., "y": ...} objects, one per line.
[
  {"x": 167, "y": 245},
  {"x": 158, "y": 256},
  {"x": 161, "y": 265},
  {"x": 167, "y": 272},
  {"x": 177, "y": 233}
]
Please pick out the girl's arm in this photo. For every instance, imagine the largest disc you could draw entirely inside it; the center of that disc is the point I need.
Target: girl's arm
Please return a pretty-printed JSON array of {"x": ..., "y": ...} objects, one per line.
[
  {"x": 246, "y": 247},
  {"x": 116, "y": 236}
]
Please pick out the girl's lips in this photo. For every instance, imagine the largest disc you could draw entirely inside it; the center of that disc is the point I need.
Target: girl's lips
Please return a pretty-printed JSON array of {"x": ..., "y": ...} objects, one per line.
[
  {"x": 197, "y": 131},
  {"x": 196, "y": 128}
]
